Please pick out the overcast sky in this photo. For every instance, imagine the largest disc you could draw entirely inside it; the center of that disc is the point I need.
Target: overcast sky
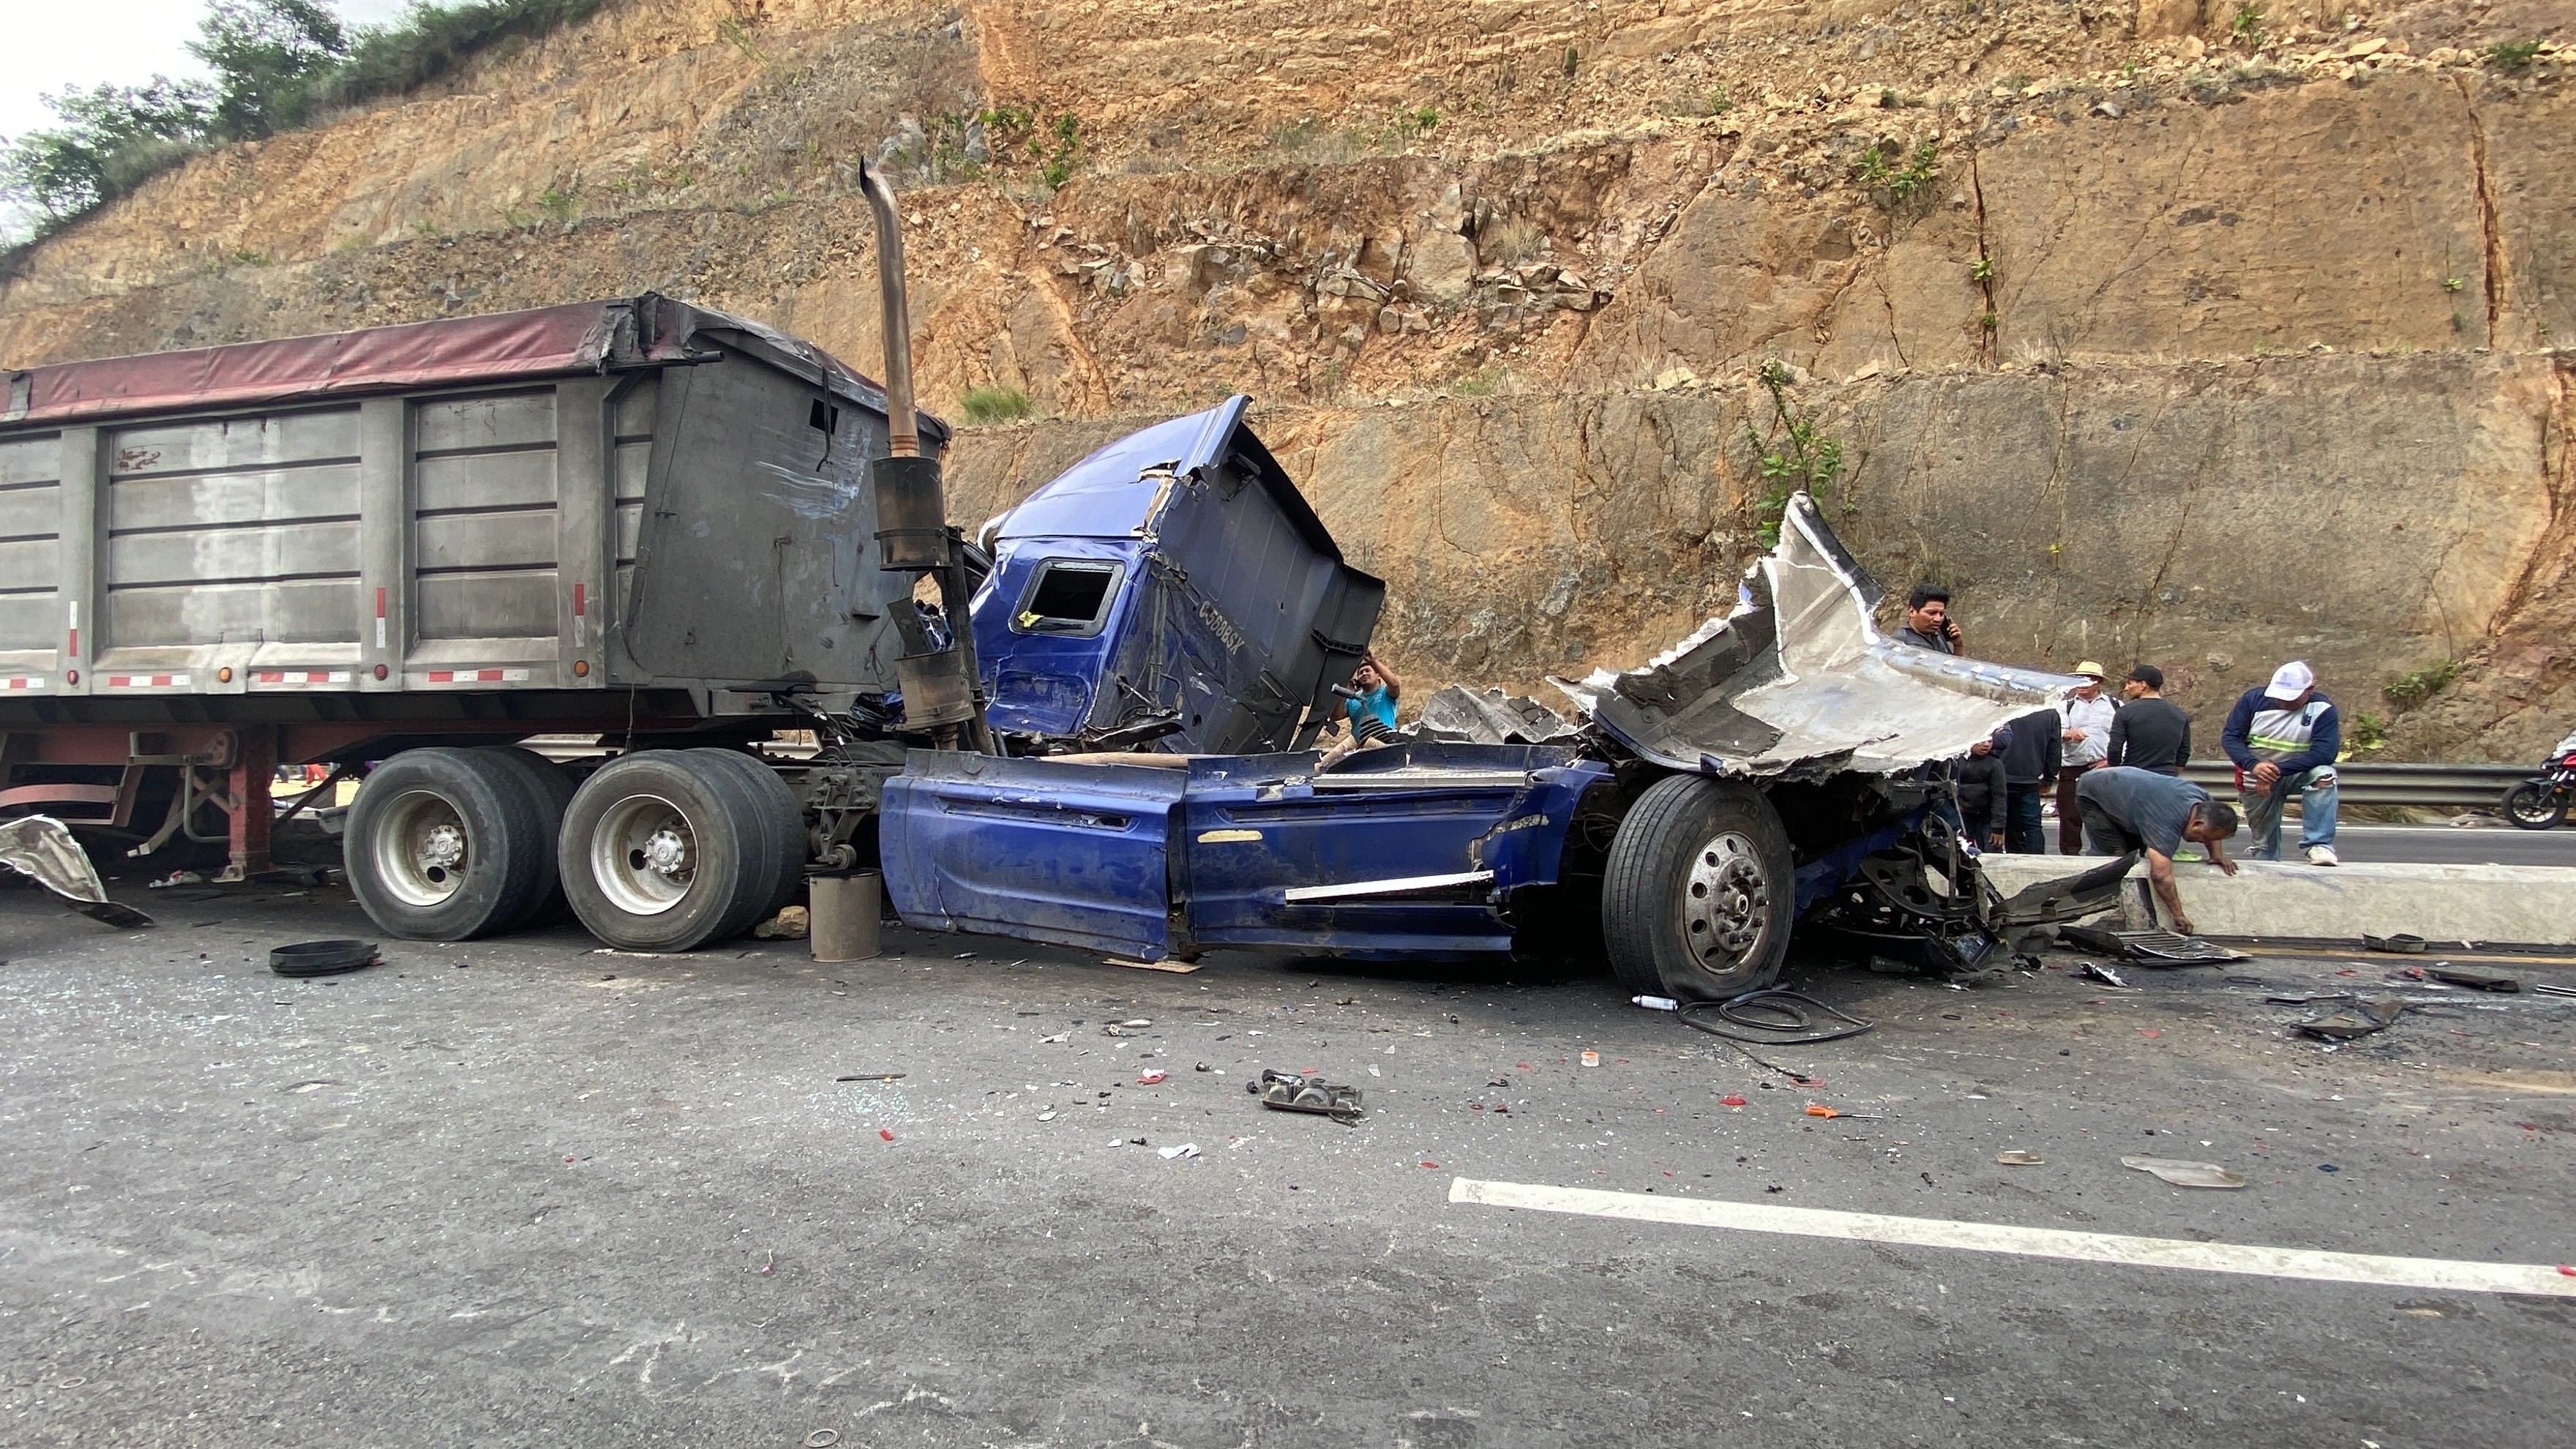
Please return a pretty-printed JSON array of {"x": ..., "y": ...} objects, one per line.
[{"x": 57, "y": 43}]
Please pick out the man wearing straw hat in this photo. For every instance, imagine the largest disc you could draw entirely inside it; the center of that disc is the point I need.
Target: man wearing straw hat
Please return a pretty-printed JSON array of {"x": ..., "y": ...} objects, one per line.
[{"x": 2087, "y": 714}]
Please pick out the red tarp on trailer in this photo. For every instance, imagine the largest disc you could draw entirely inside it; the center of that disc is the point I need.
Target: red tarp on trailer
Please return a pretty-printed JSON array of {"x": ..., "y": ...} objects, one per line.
[{"x": 549, "y": 341}]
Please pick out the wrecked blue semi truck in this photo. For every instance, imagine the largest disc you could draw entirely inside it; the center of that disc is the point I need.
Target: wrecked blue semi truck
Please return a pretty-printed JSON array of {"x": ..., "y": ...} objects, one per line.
[{"x": 1780, "y": 765}]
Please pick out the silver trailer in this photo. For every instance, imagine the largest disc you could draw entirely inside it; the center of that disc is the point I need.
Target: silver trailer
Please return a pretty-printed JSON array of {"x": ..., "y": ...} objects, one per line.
[{"x": 407, "y": 548}]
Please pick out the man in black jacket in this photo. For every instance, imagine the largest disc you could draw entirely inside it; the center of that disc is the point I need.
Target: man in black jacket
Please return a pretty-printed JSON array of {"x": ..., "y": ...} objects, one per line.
[
  {"x": 2030, "y": 770},
  {"x": 1983, "y": 790},
  {"x": 2152, "y": 732}
]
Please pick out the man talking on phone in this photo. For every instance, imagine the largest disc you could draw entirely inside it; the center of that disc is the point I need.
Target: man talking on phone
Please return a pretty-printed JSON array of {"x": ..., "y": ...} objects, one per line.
[{"x": 1928, "y": 622}]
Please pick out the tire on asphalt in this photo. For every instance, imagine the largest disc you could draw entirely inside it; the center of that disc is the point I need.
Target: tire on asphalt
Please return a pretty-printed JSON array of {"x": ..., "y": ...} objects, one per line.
[
  {"x": 444, "y": 845},
  {"x": 665, "y": 851},
  {"x": 782, "y": 817},
  {"x": 2533, "y": 805},
  {"x": 1699, "y": 891},
  {"x": 550, "y": 794}
]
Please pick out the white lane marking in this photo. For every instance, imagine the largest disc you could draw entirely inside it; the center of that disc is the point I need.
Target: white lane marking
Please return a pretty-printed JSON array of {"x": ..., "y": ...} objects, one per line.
[{"x": 2442, "y": 1273}]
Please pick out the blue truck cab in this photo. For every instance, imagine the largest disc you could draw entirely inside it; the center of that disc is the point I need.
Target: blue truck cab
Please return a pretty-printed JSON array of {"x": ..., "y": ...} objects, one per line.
[
  {"x": 1160, "y": 637},
  {"x": 1173, "y": 588}
]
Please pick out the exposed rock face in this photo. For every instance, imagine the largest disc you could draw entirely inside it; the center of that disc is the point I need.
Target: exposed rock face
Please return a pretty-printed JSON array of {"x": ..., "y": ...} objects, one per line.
[{"x": 2152, "y": 342}]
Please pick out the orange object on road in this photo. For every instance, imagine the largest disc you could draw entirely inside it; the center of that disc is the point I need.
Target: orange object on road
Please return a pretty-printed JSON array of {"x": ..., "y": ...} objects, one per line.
[{"x": 1815, "y": 1109}]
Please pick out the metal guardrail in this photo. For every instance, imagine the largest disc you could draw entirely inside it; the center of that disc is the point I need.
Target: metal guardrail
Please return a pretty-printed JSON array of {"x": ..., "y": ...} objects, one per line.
[{"x": 2367, "y": 784}]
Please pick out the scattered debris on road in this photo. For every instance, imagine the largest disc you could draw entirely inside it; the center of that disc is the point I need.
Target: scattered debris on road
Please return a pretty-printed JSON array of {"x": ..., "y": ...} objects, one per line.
[
  {"x": 1307, "y": 1092},
  {"x": 2018, "y": 1158},
  {"x": 2362, "y": 1018},
  {"x": 323, "y": 958},
  {"x": 2402, "y": 944},
  {"x": 790, "y": 924},
  {"x": 2186, "y": 1174},
  {"x": 42, "y": 849}
]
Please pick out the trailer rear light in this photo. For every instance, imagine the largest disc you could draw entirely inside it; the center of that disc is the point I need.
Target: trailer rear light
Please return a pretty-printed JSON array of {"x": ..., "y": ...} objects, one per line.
[
  {"x": 581, "y": 669},
  {"x": 224, "y": 675},
  {"x": 380, "y": 671},
  {"x": 71, "y": 676}
]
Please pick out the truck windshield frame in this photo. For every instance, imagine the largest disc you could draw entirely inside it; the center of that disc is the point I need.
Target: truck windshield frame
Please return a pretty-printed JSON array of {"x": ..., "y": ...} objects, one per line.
[{"x": 1060, "y": 587}]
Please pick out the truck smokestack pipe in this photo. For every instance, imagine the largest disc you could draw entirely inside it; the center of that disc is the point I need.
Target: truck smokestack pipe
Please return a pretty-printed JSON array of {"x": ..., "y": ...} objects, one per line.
[{"x": 903, "y": 425}]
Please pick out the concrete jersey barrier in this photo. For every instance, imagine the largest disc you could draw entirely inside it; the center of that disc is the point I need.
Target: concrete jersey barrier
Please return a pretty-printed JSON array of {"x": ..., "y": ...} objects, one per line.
[{"x": 2445, "y": 904}]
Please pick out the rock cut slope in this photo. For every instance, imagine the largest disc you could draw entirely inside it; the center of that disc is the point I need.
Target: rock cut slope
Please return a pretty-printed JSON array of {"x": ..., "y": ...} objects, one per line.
[{"x": 2209, "y": 339}]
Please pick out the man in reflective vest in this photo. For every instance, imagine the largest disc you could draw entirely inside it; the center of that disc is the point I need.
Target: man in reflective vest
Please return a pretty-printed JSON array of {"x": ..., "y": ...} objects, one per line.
[{"x": 2285, "y": 737}]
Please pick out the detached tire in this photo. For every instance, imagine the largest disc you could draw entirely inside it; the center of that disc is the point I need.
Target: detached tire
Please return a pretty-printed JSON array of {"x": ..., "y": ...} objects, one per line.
[
  {"x": 447, "y": 845},
  {"x": 666, "y": 851},
  {"x": 1699, "y": 891}
]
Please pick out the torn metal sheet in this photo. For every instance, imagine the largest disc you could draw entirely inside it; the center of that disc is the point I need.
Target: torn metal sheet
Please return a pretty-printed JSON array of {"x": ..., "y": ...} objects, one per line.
[
  {"x": 40, "y": 847},
  {"x": 1798, "y": 683},
  {"x": 1459, "y": 715}
]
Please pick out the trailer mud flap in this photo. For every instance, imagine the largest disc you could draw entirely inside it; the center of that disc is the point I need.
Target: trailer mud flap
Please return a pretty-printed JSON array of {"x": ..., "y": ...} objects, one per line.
[{"x": 1076, "y": 855}]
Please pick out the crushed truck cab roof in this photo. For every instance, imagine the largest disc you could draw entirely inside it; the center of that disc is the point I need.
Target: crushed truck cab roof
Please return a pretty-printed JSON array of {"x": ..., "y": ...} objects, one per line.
[{"x": 1798, "y": 684}]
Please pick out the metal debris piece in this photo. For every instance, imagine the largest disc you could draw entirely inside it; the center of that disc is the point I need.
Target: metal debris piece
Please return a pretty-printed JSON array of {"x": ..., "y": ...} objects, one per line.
[
  {"x": 2186, "y": 1174},
  {"x": 42, "y": 848},
  {"x": 2476, "y": 980},
  {"x": 1305, "y": 1092},
  {"x": 2099, "y": 972},
  {"x": 2018, "y": 1158},
  {"x": 1460, "y": 715},
  {"x": 2360, "y": 1019},
  {"x": 2164, "y": 947},
  {"x": 1797, "y": 682},
  {"x": 2549, "y": 990},
  {"x": 2401, "y": 944}
]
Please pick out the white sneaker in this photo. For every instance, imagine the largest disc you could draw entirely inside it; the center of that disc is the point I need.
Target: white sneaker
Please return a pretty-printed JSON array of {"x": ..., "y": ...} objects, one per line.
[{"x": 2322, "y": 855}]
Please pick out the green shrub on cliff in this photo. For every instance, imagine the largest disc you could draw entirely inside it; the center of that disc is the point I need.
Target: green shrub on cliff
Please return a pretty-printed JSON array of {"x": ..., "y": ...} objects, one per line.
[{"x": 277, "y": 65}]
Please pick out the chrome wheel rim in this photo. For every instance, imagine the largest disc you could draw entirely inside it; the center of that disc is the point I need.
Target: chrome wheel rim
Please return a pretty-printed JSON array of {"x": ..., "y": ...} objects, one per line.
[
  {"x": 2531, "y": 802},
  {"x": 644, "y": 855},
  {"x": 423, "y": 853},
  {"x": 1726, "y": 904}
]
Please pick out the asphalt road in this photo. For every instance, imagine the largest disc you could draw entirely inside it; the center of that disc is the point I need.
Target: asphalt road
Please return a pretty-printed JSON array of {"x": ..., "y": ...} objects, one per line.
[{"x": 522, "y": 1192}]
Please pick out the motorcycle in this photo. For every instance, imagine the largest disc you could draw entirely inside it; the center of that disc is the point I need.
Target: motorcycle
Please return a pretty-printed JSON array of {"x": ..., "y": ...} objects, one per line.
[{"x": 2542, "y": 801}]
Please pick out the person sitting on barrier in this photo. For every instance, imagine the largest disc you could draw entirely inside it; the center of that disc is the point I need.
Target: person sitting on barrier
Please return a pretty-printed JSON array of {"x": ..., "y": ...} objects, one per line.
[
  {"x": 2128, "y": 809},
  {"x": 2285, "y": 737}
]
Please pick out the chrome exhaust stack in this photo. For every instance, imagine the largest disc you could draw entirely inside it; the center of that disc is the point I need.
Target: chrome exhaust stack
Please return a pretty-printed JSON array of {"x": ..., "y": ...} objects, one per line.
[{"x": 941, "y": 690}]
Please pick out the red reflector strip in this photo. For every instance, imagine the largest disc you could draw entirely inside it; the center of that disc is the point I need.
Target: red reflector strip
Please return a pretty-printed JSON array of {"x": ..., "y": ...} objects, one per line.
[
  {"x": 23, "y": 681},
  {"x": 580, "y": 598},
  {"x": 477, "y": 676},
  {"x": 303, "y": 676},
  {"x": 147, "y": 681},
  {"x": 380, "y": 603}
]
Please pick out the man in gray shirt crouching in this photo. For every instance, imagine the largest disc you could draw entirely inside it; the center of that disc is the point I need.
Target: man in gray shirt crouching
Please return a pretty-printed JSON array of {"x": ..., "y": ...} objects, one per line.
[{"x": 2128, "y": 809}]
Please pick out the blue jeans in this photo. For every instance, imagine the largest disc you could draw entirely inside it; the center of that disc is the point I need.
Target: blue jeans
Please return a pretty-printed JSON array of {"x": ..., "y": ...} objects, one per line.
[
  {"x": 2317, "y": 794},
  {"x": 2023, "y": 834}
]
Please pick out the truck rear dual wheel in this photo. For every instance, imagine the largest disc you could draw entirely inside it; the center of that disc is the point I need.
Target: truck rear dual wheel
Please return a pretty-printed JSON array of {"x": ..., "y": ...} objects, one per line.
[
  {"x": 667, "y": 850},
  {"x": 451, "y": 844},
  {"x": 1699, "y": 891}
]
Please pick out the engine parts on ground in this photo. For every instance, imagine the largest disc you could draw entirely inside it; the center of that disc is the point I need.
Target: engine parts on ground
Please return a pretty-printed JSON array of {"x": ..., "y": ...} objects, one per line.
[
  {"x": 2362, "y": 1018},
  {"x": 1307, "y": 1092}
]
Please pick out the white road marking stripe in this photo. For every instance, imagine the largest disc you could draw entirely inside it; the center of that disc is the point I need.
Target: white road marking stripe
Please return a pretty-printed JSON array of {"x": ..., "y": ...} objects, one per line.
[{"x": 2444, "y": 1273}]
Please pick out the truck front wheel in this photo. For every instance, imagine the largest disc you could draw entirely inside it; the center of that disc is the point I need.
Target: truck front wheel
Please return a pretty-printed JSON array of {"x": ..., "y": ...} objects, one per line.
[
  {"x": 447, "y": 845},
  {"x": 666, "y": 851},
  {"x": 1699, "y": 890}
]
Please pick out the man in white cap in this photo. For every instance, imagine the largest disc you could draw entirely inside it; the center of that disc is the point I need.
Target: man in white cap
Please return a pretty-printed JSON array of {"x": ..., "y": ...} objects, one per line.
[
  {"x": 2284, "y": 737},
  {"x": 2087, "y": 715}
]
